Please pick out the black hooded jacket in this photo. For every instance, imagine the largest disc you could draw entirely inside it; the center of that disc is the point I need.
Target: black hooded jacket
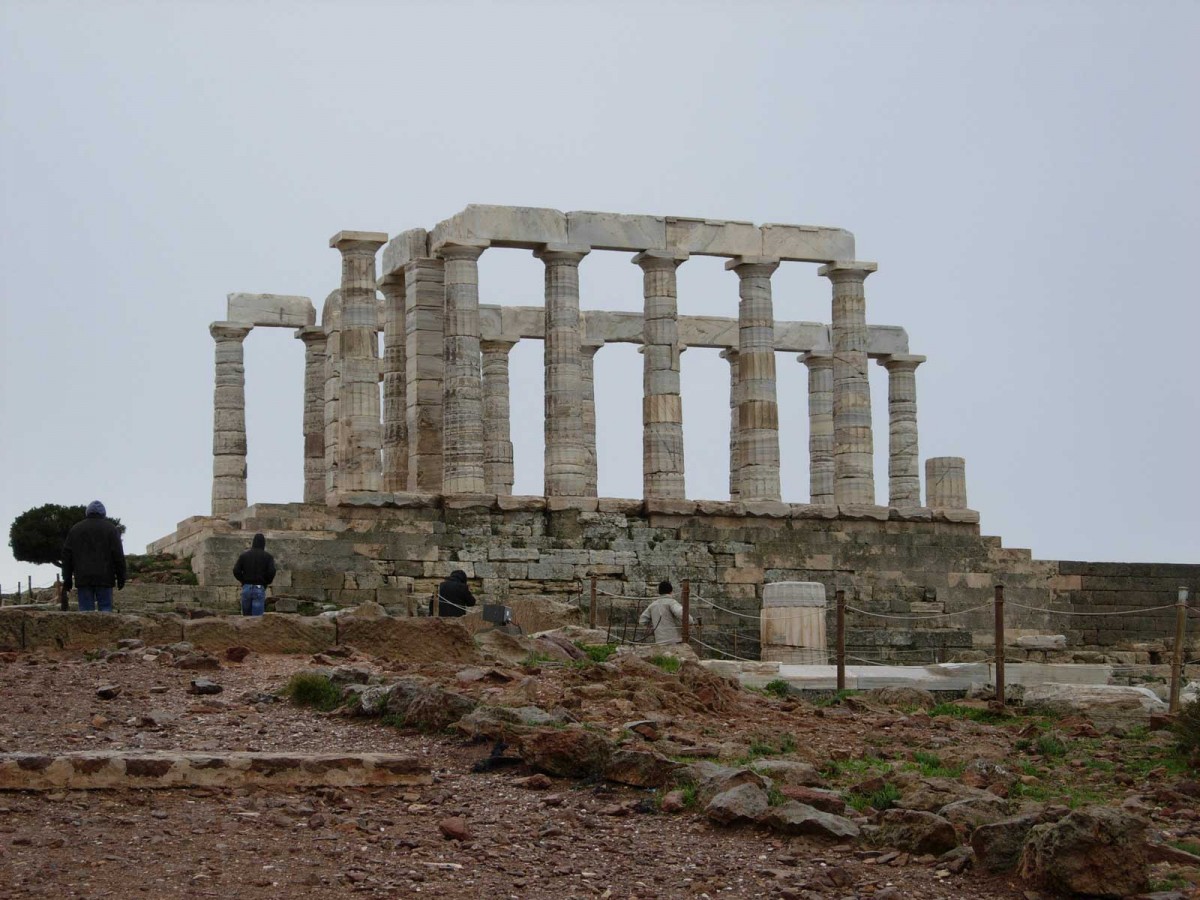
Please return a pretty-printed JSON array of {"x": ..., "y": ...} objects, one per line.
[
  {"x": 93, "y": 556},
  {"x": 454, "y": 594},
  {"x": 256, "y": 565}
]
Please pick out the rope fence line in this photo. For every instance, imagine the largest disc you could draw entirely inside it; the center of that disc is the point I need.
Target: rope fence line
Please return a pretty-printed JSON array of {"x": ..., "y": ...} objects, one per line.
[
  {"x": 1068, "y": 612},
  {"x": 919, "y": 618}
]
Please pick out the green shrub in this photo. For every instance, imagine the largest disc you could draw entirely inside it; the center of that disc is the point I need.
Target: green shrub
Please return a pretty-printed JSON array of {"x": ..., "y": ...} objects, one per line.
[
  {"x": 778, "y": 688},
  {"x": 835, "y": 698},
  {"x": 1050, "y": 745},
  {"x": 1187, "y": 729},
  {"x": 884, "y": 798},
  {"x": 931, "y": 766},
  {"x": 598, "y": 652},
  {"x": 666, "y": 662},
  {"x": 313, "y": 689}
]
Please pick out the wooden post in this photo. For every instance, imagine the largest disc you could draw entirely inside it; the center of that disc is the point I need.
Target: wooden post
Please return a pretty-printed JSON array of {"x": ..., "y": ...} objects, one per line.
[
  {"x": 687, "y": 606},
  {"x": 999, "y": 629},
  {"x": 592, "y": 606},
  {"x": 62, "y": 595},
  {"x": 841, "y": 640},
  {"x": 735, "y": 642},
  {"x": 436, "y": 604},
  {"x": 610, "y": 605},
  {"x": 1177, "y": 662}
]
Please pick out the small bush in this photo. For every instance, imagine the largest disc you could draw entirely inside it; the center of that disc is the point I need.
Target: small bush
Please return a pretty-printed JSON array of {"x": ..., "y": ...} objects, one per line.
[
  {"x": 313, "y": 689},
  {"x": 665, "y": 662},
  {"x": 884, "y": 798},
  {"x": 598, "y": 652},
  {"x": 931, "y": 766},
  {"x": 835, "y": 698},
  {"x": 778, "y": 688},
  {"x": 1050, "y": 745},
  {"x": 1187, "y": 729},
  {"x": 787, "y": 744},
  {"x": 537, "y": 658}
]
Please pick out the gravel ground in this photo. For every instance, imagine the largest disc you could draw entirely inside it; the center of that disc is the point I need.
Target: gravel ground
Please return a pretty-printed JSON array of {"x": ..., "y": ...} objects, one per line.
[{"x": 569, "y": 840}]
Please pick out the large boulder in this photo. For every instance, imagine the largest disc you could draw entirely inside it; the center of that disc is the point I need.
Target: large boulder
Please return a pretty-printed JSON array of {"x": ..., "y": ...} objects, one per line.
[
  {"x": 790, "y": 771},
  {"x": 899, "y": 697},
  {"x": 915, "y": 831},
  {"x": 931, "y": 794},
  {"x": 794, "y": 817},
  {"x": 640, "y": 768},
  {"x": 426, "y": 705},
  {"x": 567, "y": 752},
  {"x": 270, "y": 633},
  {"x": 1111, "y": 708},
  {"x": 744, "y": 804},
  {"x": 998, "y": 844},
  {"x": 409, "y": 639},
  {"x": 712, "y": 778},
  {"x": 968, "y": 815},
  {"x": 1098, "y": 850},
  {"x": 505, "y": 723}
]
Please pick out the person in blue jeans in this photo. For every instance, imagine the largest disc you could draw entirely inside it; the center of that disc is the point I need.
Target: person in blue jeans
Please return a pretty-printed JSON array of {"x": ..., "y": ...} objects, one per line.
[
  {"x": 93, "y": 559},
  {"x": 255, "y": 570}
]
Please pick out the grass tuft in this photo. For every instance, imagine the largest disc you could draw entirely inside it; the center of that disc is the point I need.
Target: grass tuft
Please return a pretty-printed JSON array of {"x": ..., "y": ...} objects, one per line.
[
  {"x": 777, "y": 688},
  {"x": 313, "y": 689},
  {"x": 666, "y": 662}
]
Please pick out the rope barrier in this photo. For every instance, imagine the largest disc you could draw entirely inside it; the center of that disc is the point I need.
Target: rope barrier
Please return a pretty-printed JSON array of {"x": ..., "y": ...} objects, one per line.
[
  {"x": 1068, "y": 612},
  {"x": 722, "y": 652},
  {"x": 961, "y": 612}
]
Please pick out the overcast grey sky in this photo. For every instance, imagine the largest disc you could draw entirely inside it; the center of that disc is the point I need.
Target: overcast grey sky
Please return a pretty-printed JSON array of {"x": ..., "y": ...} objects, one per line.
[{"x": 1024, "y": 174}]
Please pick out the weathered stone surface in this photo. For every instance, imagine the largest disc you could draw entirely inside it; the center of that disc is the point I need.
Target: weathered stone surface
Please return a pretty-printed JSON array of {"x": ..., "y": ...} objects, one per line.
[
  {"x": 997, "y": 845},
  {"x": 1097, "y": 851},
  {"x": 77, "y": 630},
  {"x": 900, "y": 697},
  {"x": 270, "y": 633},
  {"x": 426, "y": 705},
  {"x": 12, "y": 629},
  {"x": 807, "y": 243},
  {"x": 711, "y": 778},
  {"x": 799, "y": 818},
  {"x": 967, "y": 815},
  {"x": 1111, "y": 708},
  {"x": 410, "y": 639},
  {"x": 1042, "y": 642},
  {"x": 167, "y": 769},
  {"x": 790, "y": 772},
  {"x": 567, "y": 752},
  {"x": 504, "y": 723},
  {"x": 640, "y": 768},
  {"x": 931, "y": 794},
  {"x": 818, "y": 798},
  {"x": 744, "y": 804},
  {"x": 279, "y": 310},
  {"x": 915, "y": 831}
]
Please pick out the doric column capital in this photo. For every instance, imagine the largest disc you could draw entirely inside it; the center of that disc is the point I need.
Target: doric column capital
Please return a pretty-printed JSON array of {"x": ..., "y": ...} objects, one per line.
[
  {"x": 660, "y": 260},
  {"x": 815, "y": 360},
  {"x": 496, "y": 346},
  {"x": 392, "y": 283},
  {"x": 901, "y": 362},
  {"x": 229, "y": 331},
  {"x": 730, "y": 354},
  {"x": 752, "y": 266},
  {"x": 562, "y": 254},
  {"x": 460, "y": 248},
  {"x": 847, "y": 270},
  {"x": 356, "y": 242},
  {"x": 310, "y": 334},
  {"x": 590, "y": 349}
]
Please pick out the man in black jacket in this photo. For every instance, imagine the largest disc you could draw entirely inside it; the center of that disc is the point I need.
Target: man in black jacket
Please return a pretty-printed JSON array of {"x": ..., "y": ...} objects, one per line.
[
  {"x": 254, "y": 570},
  {"x": 94, "y": 560},
  {"x": 454, "y": 596}
]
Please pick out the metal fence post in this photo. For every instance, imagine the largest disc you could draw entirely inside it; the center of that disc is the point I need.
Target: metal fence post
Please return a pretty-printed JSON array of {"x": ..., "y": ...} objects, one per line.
[
  {"x": 592, "y": 606},
  {"x": 1177, "y": 661}
]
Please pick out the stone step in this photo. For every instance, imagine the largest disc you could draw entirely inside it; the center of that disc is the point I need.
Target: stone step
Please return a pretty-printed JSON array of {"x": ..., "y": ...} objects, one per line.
[{"x": 174, "y": 769}]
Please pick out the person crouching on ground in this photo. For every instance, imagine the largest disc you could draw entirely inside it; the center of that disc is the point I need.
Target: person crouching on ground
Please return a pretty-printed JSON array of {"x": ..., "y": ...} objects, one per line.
[
  {"x": 93, "y": 559},
  {"x": 665, "y": 616},
  {"x": 255, "y": 570},
  {"x": 453, "y": 595}
]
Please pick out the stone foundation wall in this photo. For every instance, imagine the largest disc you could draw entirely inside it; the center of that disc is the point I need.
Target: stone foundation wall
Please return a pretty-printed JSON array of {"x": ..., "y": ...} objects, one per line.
[{"x": 890, "y": 563}]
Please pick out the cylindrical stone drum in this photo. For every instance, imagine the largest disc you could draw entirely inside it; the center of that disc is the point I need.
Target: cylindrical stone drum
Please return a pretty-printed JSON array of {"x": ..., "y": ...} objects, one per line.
[
  {"x": 793, "y": 623},
  {"x": 946, "y": 482}
]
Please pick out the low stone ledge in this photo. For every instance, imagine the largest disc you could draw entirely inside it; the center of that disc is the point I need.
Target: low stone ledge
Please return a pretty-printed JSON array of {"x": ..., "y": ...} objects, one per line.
[
  {"x": 814, "y": 511},
  {"x": 170, "y": 769},
  {"x": 520, "y": 503},
  {"x": 967, "y": 516},
  {"x": 469, "y": 501},
  {"x": 270, "y": 633},
  {"x": 863, "y": 511}
]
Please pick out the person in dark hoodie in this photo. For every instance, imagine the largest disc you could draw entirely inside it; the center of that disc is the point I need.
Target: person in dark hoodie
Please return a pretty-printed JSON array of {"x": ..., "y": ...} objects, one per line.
[
  {"x": 453, "y": 595},
  {"x": 254, "y": 570},
  {"x": 93, "y": 559}
]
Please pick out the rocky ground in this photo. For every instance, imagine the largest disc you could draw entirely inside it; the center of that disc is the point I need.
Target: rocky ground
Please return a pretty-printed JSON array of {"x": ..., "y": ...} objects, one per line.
[{"x": 535, "y": 819}]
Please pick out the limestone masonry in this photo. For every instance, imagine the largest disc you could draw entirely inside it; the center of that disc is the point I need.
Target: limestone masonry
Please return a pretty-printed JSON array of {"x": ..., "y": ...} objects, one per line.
[{"x": 397, "y": 488}]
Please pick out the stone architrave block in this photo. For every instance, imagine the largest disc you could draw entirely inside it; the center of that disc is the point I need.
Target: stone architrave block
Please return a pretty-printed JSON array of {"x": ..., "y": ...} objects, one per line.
[
  {"x": 713, "y": 237},
  {"x": 886, "y": 340},
  {"x": 807, "y": 243},
  {"x": 270, "y": 310},
  {"x": 402, "y": 249},
  {"x": 504, "y": 226},
  {"x": 614, "y": 231},
  {"x": 270, "y": 633}
]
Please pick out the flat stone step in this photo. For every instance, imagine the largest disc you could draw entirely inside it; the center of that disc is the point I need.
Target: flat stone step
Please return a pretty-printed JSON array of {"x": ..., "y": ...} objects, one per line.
[{"x": 92, "y": 770}]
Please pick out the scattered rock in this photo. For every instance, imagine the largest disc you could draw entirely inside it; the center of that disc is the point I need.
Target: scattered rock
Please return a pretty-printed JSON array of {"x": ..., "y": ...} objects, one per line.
[
  {"x": 640, "y": 768},
  {"x": 505, "y": 723},
  {"x": 426, "y": 705},
  {"x": 741, "y": 805},
  {"x": 899, "y": 697},
  {"x": 130, "y": 644},
  {"x": 794, "y": 817},
  {"x": 198, "y": 662},
  {"x": 931, "y": 794},
  {"x": 711, "y": 779},
  {"x": 204, "y": 686},
  {"x": 1112, "y": 708},
  {"x": 455, "y": 829},
  {"x": 237, "y": 654},
  {"x": 1097, "y": 850},
  {"x": 108, "y": 691},
  {"x": 790, "y": 772},
  {"x": 818, "y": 798},
  {"x": 967, "y": 815},
  {"x": 673, "y": 802},
  {"x": 998, "y": 845},
  {"x": 568, "y": 753},
  {"x": 537, "y": 782},
  {"x": 915, "y": 831}
]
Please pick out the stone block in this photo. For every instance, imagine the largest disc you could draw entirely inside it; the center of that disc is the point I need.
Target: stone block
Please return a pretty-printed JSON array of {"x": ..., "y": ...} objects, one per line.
[
  {"x": 516, "y": 503},
  {"x": 270, "y": 633},
  {"x": 469, "y": 501},
  {"x": 613, "y": 231},
  {"x": 1042, "y": 642},
  {"x": 863, "y": 511},
  {"x": 713, "y": 237},
  {"x": 814, "y": 511},
  {"x": 409, "y": 639},
  {"x": 807, "y": 243},
  {"x": 270, "y": 310},
  {"x": 772, "y": 509},
  {"x": 560, "y": 504},
  {"x": 78, "y": 630},
  {"x": 504, "y": 226},
  {"x": 402, "y": 249},
  {"x": 667, "y": 507}
]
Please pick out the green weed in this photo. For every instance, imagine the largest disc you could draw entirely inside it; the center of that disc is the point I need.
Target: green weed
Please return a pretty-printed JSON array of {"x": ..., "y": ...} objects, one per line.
[
  {"x": 931, "y": 765},
  {"x": 313, "y": 689},
  {"x": 884, "y": 798},
  {"x": 666, "y": 662},
  {"x": 778, "y": 688},
  {"x": 1049, "y": 745},
  {"x": 598, "y": 652}
]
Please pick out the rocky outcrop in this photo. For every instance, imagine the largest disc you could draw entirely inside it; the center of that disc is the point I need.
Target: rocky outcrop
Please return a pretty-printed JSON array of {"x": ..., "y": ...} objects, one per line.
[
  {"x": 744, "y": 804},
  {"x": 1098, "y": 851},
  {"x": 998, "y": 845},
  {"x": 1111, "y": 708},
  {"x": 794, "y": 817},
  {"x": 915, "y": 831}
]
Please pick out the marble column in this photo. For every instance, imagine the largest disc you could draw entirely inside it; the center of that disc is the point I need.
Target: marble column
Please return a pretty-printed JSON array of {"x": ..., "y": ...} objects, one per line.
[
  {"x": 497, "y": 442},
  {"x": 360, "y": 427},
  {"x": 566, "y": 463},
  {"x": 904, "y": 482},
  {"x": 229, "y": 419},
  {"x": 331, "y": 322},
  {"x": 946, "y": 482},
  {"x": 758, "y": 410},
  {"x": 313, "y": 337},
  {"x": 587, "y": 367},
  {"x": 820, "y": 427},
  {"x": 662, "y": 406},
  {"x": 462, "y": 397},
  {"x": 854, "y": 474},
  {"x": 730, "y": 355},
  {"x": 395, "y": 427},
  {"x": 425, "y": 344}
]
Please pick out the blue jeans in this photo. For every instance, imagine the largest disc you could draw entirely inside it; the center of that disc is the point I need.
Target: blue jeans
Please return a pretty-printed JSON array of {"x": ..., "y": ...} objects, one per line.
[
  {"x": 91, "y": 597},
  {"x": 254, "y": 599}
]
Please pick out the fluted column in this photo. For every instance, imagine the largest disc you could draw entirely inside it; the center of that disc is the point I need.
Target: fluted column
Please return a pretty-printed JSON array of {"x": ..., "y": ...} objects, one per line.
[
  {"x": 313, "y": 337},
  {"x": 904, "y": 481},
  {"x": 758, "y": 410},
  {"x": 853, "y": 445},
  {"x": 730, "y": 355},
  {"x": 946, "y": 482},
  {"x": 360, "y": 427},
  {"x": 424, "y": 369},
  {"x": 331, "y": 322},
  {"x": 587, "y": 368},
  {"x": 229, "y": 419},
  {"x": 820, "y": 427},
  {"x": 395, "y": 428},
  {"x": 566, "y": 456},
  {"x": 662, "y": 407},
  {"x": 462, "y": 403},
  {"x": 497, "y": 442}
]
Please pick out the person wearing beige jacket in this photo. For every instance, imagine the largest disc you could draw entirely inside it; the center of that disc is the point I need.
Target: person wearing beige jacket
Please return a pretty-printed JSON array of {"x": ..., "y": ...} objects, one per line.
[{"x": 665, "y": 616}]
